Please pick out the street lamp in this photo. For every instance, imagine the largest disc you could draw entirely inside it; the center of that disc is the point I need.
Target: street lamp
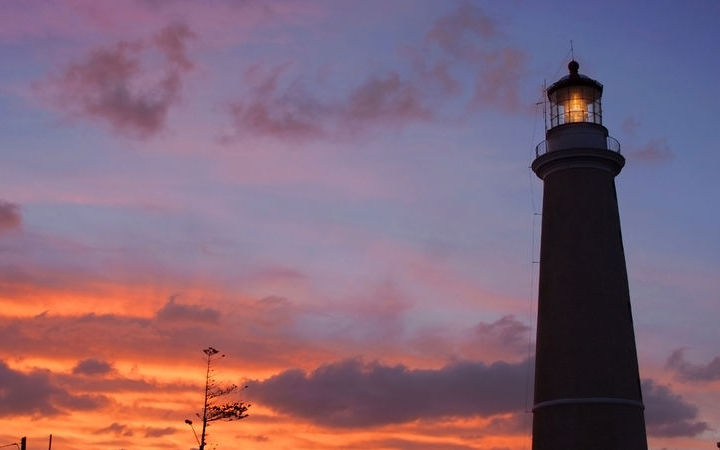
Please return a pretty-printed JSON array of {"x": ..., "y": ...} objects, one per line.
[{"x": 189, "y": 422}]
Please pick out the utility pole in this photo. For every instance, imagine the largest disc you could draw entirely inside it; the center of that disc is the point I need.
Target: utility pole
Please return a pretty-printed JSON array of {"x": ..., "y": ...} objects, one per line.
[{"x": 23, "y": 443}]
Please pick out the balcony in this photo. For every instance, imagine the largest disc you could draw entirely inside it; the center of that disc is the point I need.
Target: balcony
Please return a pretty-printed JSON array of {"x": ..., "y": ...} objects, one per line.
[{"x": 611, "y": 144}]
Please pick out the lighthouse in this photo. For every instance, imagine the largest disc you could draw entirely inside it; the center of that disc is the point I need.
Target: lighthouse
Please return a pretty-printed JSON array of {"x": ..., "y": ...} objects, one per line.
[{"x": 587, "y": 387}]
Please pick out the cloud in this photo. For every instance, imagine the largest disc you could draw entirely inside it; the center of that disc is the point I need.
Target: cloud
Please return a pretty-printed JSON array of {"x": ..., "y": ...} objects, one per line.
[
  {"x": 10, "y": 217},
  {"x": 407, "y": 444},
  {"x": 464, "y": 35},
  {"x": 452, "y": 32},
  {"x": 35, "y": 393},
  {"x": 667, "y": 414},
  {"x": 506, "y": 332},
  {"x": 498, "y": 82},
  {"x": 172, "y": 311},
  {"x": 151, "y": 432},
  {"x": 350, "y": 393},
  {"x": 92, "y": 366},
  {"x": 286, "y": 112},
  {"x": 171, "y": 40},
  {"x": 655, "y": 151},
  {"x": 389, "y": 97},
  {"x": 630, "y": 126},
  {"x": 111, "y": 85},
  {"x": 693, "y": 372},
  {"x": 289, "y": 111},
  {"x": 115, "y": 428},
  {"x": 386, "y": 99}
]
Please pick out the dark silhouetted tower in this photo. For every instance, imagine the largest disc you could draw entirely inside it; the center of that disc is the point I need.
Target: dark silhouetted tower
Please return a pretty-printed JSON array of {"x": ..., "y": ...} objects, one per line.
[{"x": 587, "y": 388}]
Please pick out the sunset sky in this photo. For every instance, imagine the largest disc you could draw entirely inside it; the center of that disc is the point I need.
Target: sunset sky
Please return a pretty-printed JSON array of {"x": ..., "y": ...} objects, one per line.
[{"x": 336, "y": 195}]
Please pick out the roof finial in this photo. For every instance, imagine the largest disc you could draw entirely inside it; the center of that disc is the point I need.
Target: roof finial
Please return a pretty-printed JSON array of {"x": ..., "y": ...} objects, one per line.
[
  {"x": 572, "y": 50},
  {"x": 573, "y": 67}
]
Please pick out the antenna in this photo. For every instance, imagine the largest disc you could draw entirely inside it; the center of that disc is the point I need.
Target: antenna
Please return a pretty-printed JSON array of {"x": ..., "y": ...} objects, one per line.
[
  {"x": 572, "y": 50},
  {"x": 545, "y": 104}
]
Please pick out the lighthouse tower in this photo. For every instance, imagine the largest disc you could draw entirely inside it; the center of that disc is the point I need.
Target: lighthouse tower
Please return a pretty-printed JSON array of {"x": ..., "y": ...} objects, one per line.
[{"x": 587, "y": 388}]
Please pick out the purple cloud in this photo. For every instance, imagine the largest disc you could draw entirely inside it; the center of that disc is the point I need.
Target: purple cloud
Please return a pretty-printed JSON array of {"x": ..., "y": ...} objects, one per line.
[
  {"x": 92, "y": 366},
  {"x": 111, "y": 85},
  {"x": 172, "y": 311},
  {"x": 10, "y": 217},
  {"x": 290, "y": 112},
  {"x": 387, "y": 98},
  {"x": 115, "y": 428},
  {"x": 151, "y": 432},
  {"x": 693, "y": 372},
  {"x": 353, "y": 394},
  {"x": 269, "y": 110},
  {"x": 172, "y": 41},
  {"x": 36, "y": 392},
  {"x": 453, "y": 31},
  {"x": 506, "y": 332},
  {"x": 667, "y": 414}
]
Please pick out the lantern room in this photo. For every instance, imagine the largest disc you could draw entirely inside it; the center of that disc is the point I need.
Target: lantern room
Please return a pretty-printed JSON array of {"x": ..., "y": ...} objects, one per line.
[{"x": 575, "y": 98}]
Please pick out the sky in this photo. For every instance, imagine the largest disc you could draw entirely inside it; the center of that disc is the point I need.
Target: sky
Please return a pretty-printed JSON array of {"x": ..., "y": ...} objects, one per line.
[{"x": 336, "y": 195}]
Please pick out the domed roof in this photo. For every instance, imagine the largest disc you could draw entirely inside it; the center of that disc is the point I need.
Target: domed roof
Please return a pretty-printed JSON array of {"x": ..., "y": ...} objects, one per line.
[{"x": 574, "y": 79}]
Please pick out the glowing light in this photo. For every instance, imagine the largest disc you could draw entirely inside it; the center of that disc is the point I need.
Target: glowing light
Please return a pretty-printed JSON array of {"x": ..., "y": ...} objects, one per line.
[{"x": 576, "y": 109}]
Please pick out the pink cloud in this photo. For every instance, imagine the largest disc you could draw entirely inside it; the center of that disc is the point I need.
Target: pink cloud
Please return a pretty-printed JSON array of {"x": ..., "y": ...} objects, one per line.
[
  {"x": 453, "y": 31},
  {"x": 112, "y": 86},
  {"x": 289, "y": 111},
  {"x": 693, "y": 372},
  {"x": 386, "y": 99},
  {"x": 498, "y": 80},
  {"x": 655, "y": 151},
  {"x": 10, "y": 217},
  {"x": 268, "y": 110},
  {"x": 83, "y": 19}
]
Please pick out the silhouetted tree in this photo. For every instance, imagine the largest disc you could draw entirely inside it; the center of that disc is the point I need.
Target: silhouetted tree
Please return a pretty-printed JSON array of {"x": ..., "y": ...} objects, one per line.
[{"x": 217, "y": 411}]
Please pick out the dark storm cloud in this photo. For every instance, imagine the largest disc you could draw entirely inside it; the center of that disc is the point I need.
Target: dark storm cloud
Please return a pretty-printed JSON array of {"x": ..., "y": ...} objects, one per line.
[
  {"x": 35, "y": 392},
  {"x": 693, "y": 372},
  {"x": 667, "y": 414},
  {"x": 354, "y": 394},
  {"x": 10, "y": 217},
  {"x": 112, "y": 86}
]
